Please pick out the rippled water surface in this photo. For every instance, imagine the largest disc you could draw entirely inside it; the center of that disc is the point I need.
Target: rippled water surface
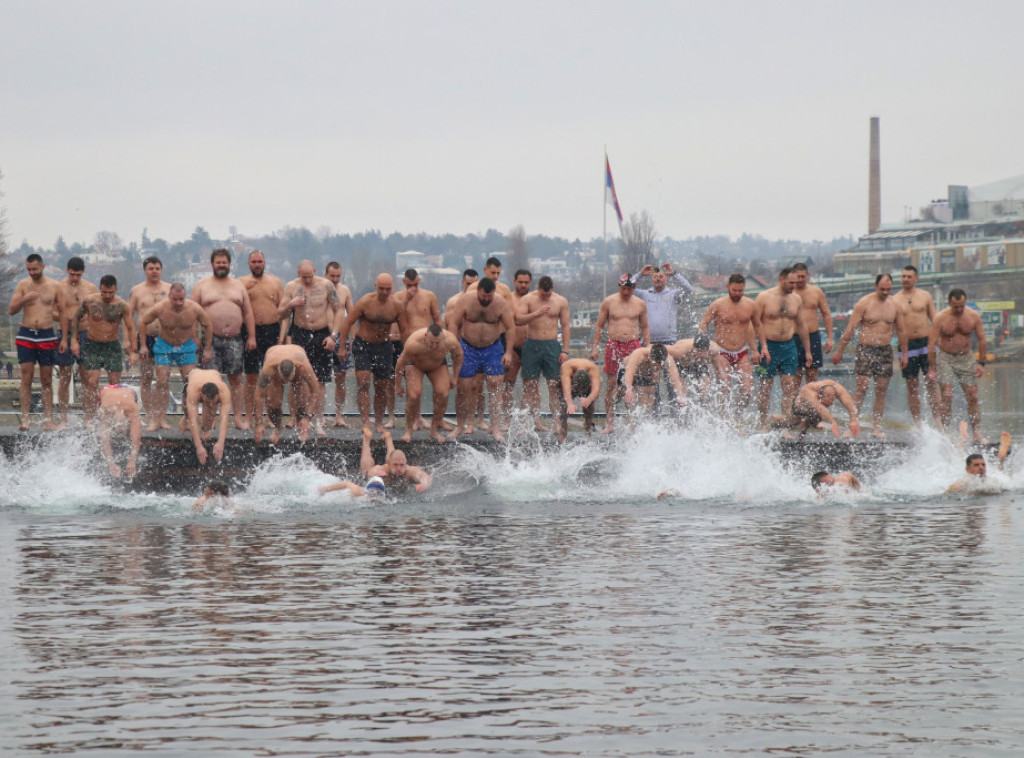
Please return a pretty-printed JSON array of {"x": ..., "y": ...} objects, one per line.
[{"x": 535, "y": 609}]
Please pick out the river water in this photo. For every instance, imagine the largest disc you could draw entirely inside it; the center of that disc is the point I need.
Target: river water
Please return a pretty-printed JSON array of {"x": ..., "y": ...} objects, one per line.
[{"x": 546, "y": 604}]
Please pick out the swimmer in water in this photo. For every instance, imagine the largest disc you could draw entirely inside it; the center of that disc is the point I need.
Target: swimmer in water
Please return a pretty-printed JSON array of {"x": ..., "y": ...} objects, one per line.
[
  {"x": 374, "y": 488},
  {"x": 823, "y": 479},
  {"x": 975, "y": 468},
  {"x": 216, "y": 491}
]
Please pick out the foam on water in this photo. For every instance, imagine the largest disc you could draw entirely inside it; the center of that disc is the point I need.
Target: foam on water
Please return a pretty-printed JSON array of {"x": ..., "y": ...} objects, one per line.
[{"x": 57, "y": 475}]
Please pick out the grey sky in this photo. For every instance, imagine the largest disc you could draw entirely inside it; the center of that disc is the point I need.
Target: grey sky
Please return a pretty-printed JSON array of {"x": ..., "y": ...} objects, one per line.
[{"x": 719, "y": 117}]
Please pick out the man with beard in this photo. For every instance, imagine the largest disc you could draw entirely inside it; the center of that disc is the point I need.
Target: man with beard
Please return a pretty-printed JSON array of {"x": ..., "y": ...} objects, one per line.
[
  {"x": 951, "y": 359},
  {"x": 814, "y": 302},
  {"x": 265, "y": 295},
  {"x": 151, "y": 291},
  {"x": 72, "y": 292},
  {"x": 778, "y": 310},
  {"x": 918, "y": 313},
  {"x": 737, "y": 327}
]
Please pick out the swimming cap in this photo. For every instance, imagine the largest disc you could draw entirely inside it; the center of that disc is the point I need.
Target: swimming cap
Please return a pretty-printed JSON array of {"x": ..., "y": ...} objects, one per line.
[
  {"x": 375, "y": 486},
  {"x": 627, "y": 281},
  {"x": 701, "y": 342}
]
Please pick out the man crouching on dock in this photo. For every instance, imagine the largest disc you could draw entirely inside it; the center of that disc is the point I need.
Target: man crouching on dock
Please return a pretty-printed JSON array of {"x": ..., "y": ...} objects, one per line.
[
  {"x": 811, "y": 407},
  {"x": 206, "y": 386},
  {"x": 118, "y": 408},
  {"x": 284, "y": 364}
]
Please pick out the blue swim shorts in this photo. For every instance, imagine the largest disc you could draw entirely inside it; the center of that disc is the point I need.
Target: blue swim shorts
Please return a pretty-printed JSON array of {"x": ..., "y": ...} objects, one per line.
[
  {"x": 485, "y": 359},
  {"x": 165, "y": 354}
]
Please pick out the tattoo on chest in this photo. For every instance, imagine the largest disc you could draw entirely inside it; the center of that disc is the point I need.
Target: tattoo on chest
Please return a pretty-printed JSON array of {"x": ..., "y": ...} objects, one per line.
[{"x": 104, "y": 312}]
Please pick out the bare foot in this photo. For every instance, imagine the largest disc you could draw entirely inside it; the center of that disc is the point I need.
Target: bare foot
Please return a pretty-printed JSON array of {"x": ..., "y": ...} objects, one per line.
[
  {"x": 166, "y": 426},
  {"x": 290, "y": 424},
  {"x": 390, "y": 424},
  {"x": 152, "y": 427},
  {"x": 435, "y": 435},
  {"x": 979, "y": 439},
  {"x": 23, "y": 426},
  {"x": 877, "y": 433},
  {"x": 454, "y": 435},
  {"x": 407, "y": 437},
  {"x": 49, "y": 426},
  {"x": 319, "y": 430},
  {"x": 789, "y": 436},
  {"x": 338, "y": 421},
  {"x": 469, "y": 429},
  {"x": 446, "y": 426},
  {"x": 242, "y": 425},
  {"x": 607, "y": 429},
  {"x": 379, "y": 428},
  {"x": 367, "y": 433},
  {"x": 275, "y": 436},
  {"x": 498, "y": 436},
  {"x": 963, "y": 432},
  {"x": 539, "y": 426}
]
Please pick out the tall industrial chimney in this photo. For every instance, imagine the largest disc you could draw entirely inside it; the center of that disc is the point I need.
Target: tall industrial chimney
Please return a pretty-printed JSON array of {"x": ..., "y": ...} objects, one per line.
[{"x": 874, "y": 182}]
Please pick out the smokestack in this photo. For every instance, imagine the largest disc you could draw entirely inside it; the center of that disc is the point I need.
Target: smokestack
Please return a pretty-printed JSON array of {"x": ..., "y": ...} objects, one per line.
[{"x": 874, "y": 181}]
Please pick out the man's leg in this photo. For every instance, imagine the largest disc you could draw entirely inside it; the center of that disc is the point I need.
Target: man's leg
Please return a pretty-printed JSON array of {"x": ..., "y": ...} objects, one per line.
[
  {"x": 64, "y": 377},
  {"x": 468, "y": 390},
  {"x": 914, "y": 400},
  {"x": 90, "y": 393},
  {"x": 150, "y": 396},
  {"x": 945, "y": 414},
  {"x": 161, "y": 397},
  {"x": 441, "y": 383},
  {"x": 790, "y": 387},
  {"x": 508, "y": 387},
  {"x": 531, "y": 399},
  {"x": 764, "y": 400},
  {"x": 317, "y": 408},
  {"x": 610, "y": 394},
  {"x": 413, "y": 395},
  {"x": 878, "y": 408},
  {"x": 25, "y": 393},
  {"x": 973, "y": 410},
  {"x": 860, "y": 391},
  {"x": 339, "y": 397},
  {"x": 383, "y": 389},
  {"x": 250, "y": 397},
  {"x": 494, "y": 403},
  {"x": 363, "y": 397},
  {"x": 366, "y": 461},
  {"x": 237, "y": 400}
]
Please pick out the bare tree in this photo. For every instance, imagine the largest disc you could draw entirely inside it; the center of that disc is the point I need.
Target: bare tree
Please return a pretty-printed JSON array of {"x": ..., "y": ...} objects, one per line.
[
  {"x": 518, "y": 253},
  {"x": 108, "y": 242},
  {"x": 638, "y": 236},
  {"x": 8, "y": 271}
]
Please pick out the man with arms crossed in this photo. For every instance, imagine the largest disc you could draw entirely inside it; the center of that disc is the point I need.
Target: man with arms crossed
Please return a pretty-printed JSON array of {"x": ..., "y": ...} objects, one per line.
[
  {"x": 285, "y": 364},
  {"x": 144, "y": 296},
  {"x": 626, "y": 318},
  {"x": 481, "y": 318},
  {"x": 265, "y": 295},
  {"x": 205, "y": 386},
  {"x": 71, "y": 292},
  {"x": 425, "y": 354},
  {"x": 316, "y": 316},
  {"x": 176, "y": 319},
  {"x": 371, "y": 349},
  {"x": 814, "y": 302},
  {"x": 103, "y": 313},
  {"x": 333, "y": 274},
  {"x": 542, "y": 313},
  {"x": 737, "y": 327},
  {"x": 918, "y": 313},
  {"x": 950, "y": 358},
  {"x": 778, "y": 310},
  {"x": 879, "y": 319},
  {"x": 36, "y": 341},
  {"x": 226, "y": 302}
]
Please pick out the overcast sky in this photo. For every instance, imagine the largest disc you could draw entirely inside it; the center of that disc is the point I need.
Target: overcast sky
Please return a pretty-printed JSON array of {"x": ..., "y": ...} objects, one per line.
[{"x": 718, "y": 117}]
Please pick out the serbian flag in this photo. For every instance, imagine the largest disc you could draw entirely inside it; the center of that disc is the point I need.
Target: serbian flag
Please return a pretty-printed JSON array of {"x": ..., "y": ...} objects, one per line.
[{"x": 609, "y": 191}]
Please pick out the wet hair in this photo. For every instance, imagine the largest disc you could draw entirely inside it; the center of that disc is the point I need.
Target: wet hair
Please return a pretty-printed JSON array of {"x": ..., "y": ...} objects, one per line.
[
  {"x": 486, "y": 285},
  {"x": 218, "y": 487},
  {"x": 411, "y": 275},
  {"x": 737, "y": 279},
  {"x": 75, "y": 264},
  {"x": 956, "y": 294},
  {"x": 801, "y": 266},
  {"x": 880, "y": 277},
  {"x": 286, "y": 369},
  {"x": 785, "y": 272},
  {"x": 152, "y": 259},
  {"x": 332, "y": 264},
  {"x": 523, "y": 272},
  {"x": 659, "y": 353},
  {"x": 109, "y": 280},
  {"x": 818, "y": 479},
  {"x": 219, "y": 252},
  {"x": 701, "y": 342},
  {"x": 175, "y": 287},
  {"x": 471, "y": 272},
  {"x": 545, "y": 283},
  {"x": 210, "y": 390},
  {"x": 34, "y": 258},
  {"x": 581, "y": 383},
  {"x": 908, "y": 267},
  {"x": 434, "y": 330},
  {"x": 974, "y": 457},
  {"x": 492, "y": 261}
]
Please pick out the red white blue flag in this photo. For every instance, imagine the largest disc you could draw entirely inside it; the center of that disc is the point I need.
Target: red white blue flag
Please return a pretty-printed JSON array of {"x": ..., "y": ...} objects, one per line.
[{"x": 609, "y": 191}]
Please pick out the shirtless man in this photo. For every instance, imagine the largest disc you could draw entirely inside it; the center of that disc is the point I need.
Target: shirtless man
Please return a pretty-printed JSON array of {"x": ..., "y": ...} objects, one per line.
[
  {"x": 480, "y": 318},
  {"x": 285, "y": 364},
  {"x": 226, "y": 302},
  {"x": 176, "y": 318},
  {"x": 879, "y": 318},
  {"x": 700, "y": 363},
  {"x": 265, "y": 295},
  {"x": 580, "y": 378},
  {"x": 950, "y": 358},
  {"x": 315, "y": 310},
  {"x": 521, "y": 283},
  {"x": 778, "y": 310},
  {"x": 206, "y": 386},
  {"x": 492, "y": 271},
  {"x": 626, "y": 318},
  {"x": 36, "y": 341},
  {"x": 814, "y": 302},
  {"x": 72, "y": 291},
  {"x": 737, "y": 327},
  {"x": 469, "y": 278},
  {"x": 118, "y": 409},
  {"x": 425, "y": 354},
  {"x": 421, "y": 310},
  {"x": 144, "y": 296},
  {"x": 843, "y": 479},
  {"x": 103, "y": 315},
  {"x": 976, "y": 470},
  {"x": 333, "y": 274},
  {"x": 642, "y": 371},
  {"x": 811, "y": 407},
  {"x": 396, "y": 471},
  {"x": 544, "y": 313},
  {"x": 918, "y": 313},
  {"x": 371, "y": 349}
]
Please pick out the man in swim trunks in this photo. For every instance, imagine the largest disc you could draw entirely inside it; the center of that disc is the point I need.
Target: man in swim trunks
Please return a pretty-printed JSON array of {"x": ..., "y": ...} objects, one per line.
[
  {"x": 918, "y": 313},
  {"x": 265, "y": 295},
  {"x": 737, "y": 329},
  {"x": 226, "y": 302},
  {"x": 118, "y": 409},
  {"x": 176, "y": 318},
  {"x": 700, "y": 363},
  {"x": 333, "y": 274},
  {"x": 425, "y": 354},
  {"x": 102, "y": 315},
  {"x": 481, "y": 318},
  {"x": 579, "y": 378},
  {"x": 522, "y": 281},
  {"x": 372, "y": 352},
  {"x": 469, "y": 278},
  {"x": 395, "y": 471},
  {"x": 285, "y": 364},
  {"x": 951, "y": 359},
  {"x": 626, "y": 318},
  {"x": 312, "y": 303},
  {"x": 814, "y": 302},
  {"x": 72, "y": 291},
  {"x": 879, "y": 319},
  {"x": 421, "y": 310},
  {"x": 151, "y": 291},
  {"x": 544, "y": 313},
  {"x": 812, "y": 405},
  {"x": 205, "y": 386},
  {"x": 36, "y": 340},
  {"x": 642, "y": 370},
  {"x": 778, "y": 310}
]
